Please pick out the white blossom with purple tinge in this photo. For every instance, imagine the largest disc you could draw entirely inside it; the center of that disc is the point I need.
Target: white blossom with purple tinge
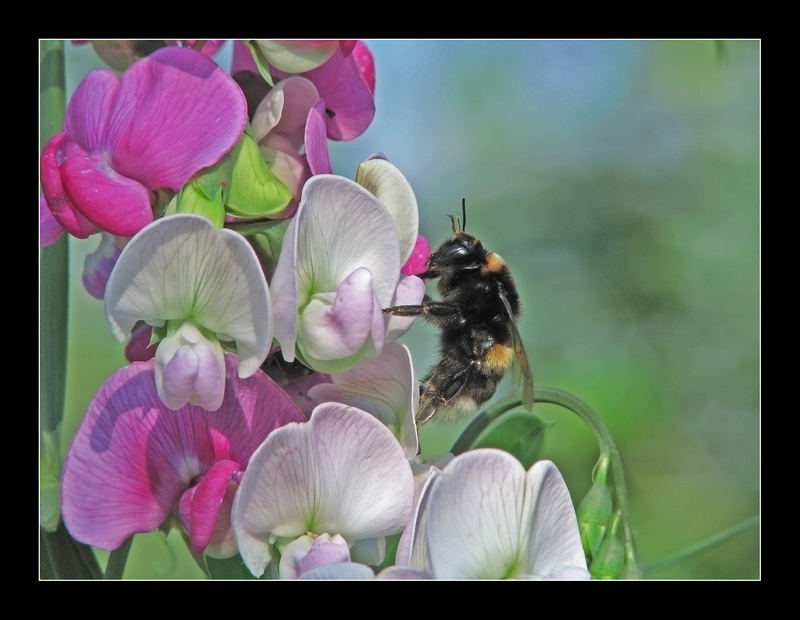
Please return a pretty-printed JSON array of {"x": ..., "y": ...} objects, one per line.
[
  {"x": 485, "y": 517},
  {"x": 202, "y": 285},
  {"x": 342, "y": 473}
]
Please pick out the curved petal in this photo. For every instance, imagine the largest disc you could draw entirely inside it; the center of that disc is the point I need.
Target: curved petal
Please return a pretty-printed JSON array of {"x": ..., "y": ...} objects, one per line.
[
  {"x": 342, "y": 472},
  {"x": 554, "y": 546},
  {"x": 336, "y": 330},
  {"x": 138, "y": 348},
  {"x": 132, "y": 458},
  {"x": 308, "y": 552},
  {"x": 181, "y": 266},
  {"x": 50, "y": 230},
  {"x": 340, "y": 570},
  {"x": 412, "y": 549},
  {"x": 284, "y": 110},
  {"x": 316, "y": 142},
  {"x": 89, "y": 107},
  {"x": 284, "y": 291},
  {"x": 176, "y": 112},
  {"x": 417, "y": 262},
  {"x": 114, "y": 203},
  {"x": 57, "y": 149},
  {"x": 98, "y": 265},
  {"x": 403, "y": 572},
  {"x": 365, "y": 64},
  {"x": 391, "y": 187},
  {"x": 478, "y": 517},
  {"x": 384, "y": 386},
  {"x": 349, "y": 104},
  {"x": 296, "y": 56},
  {"x": 410, "y": 292}
]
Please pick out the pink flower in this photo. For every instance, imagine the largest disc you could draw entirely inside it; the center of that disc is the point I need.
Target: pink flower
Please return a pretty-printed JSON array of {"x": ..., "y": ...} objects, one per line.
[
  {"x": 133, "y": 462},
  {"x": 170, "y": 115}
]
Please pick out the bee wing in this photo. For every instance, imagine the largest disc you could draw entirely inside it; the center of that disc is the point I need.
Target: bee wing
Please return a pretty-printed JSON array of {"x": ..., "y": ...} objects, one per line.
[{"x": 523, "y": 375}]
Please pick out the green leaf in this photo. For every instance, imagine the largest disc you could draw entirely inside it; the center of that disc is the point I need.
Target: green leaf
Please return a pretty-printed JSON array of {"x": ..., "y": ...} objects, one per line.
[
  {"x": 267, "y": 240},
  {"x": 254, "y": 191},
  {"x": 261, "y": 61},
  {"x": 232, "y": 568},
  {"x": 63, "y": 557},
  {"x": 193, "y": 199},
  {"x": 518, "y": 432},
  {"x": 49, "y": 481}
]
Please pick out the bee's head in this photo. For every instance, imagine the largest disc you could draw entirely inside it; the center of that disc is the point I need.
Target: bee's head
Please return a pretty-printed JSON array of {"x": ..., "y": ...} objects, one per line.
[{"x": 463, "y": 251}]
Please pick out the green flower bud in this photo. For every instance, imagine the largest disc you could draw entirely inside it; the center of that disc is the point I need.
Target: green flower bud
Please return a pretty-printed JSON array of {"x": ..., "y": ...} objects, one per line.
[
  {"x": 595, "y": 509},
  {"x": 610, "y": 558}
]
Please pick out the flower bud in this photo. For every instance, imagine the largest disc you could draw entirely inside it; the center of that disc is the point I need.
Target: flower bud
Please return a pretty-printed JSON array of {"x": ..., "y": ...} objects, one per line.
[
  {"x": 610, "y": 556},
  {"x": 595, "y": 509}
]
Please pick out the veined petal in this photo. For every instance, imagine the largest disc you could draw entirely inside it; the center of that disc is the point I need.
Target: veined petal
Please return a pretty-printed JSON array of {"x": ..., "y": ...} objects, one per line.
[
  {"x": 410, "y": 292},
  {"x": 340, "y": 570},
  {"x": 391, "y": 187},
  {"x": 89, "y": 108},
  {"x": 132, "y": 458},
  {"x": 478, "y": 517},
  {"x": 384, "y": 386},
  {"x": 349, "y": 104},
  {"x": 332, "y": 329},
  {"x": 297, "y": 56},
  {"x": 98, "y": 265},
  {"x": 176, "y": 112},
  {"x": 554, "y": 546},
  {"x": 284, "y": 110},
  {"x": 342, "y": 472},
  {"x": 412, "y": 549},
  {"x": 180, "y": 267},
  {"x": 113, "y": 202},
  {"x": 316, "y": 142}
]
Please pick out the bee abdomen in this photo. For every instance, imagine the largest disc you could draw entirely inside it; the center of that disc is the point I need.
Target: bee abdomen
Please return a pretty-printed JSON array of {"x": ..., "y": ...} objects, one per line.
[{"x": 498, "y": 358}]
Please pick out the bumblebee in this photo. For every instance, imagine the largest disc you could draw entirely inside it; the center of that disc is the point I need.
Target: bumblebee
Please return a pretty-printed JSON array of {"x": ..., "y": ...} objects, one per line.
[{"x": 477, "y": 315}]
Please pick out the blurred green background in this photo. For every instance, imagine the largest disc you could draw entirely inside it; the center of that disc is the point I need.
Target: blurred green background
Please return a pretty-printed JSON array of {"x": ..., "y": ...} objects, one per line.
[{"x": 620, "y": 181}]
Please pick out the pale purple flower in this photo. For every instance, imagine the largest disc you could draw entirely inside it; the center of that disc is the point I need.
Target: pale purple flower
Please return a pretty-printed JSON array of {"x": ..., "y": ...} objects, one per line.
[
  {"x": 485, "y": 517},
  {"x": 171, "y": 114},
  {"x": 98, "y": 265},
  {"x": 133, "y": 462},
  {"x": 199, "y": 285},
  {"x": 341, "y": 473}
]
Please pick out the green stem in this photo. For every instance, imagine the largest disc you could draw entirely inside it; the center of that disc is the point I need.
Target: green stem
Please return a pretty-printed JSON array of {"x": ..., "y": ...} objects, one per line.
[
  {"x": 607, "y": 447},
  {"x": 481, "y": 421},
  {"x": 703, "y": 545},
  {"x": 117, "y": 560}
]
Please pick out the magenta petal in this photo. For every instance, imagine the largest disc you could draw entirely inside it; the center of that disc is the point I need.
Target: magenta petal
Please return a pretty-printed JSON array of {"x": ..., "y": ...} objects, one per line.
[
  {"x": 176, "y": 112},
  {"x": 243, "y": 59},
  {"x": 132, "y": 458},
  {"x": 88, "y": 110},
  {"x": 365, "y": 64},
  {"x": 138, "y": 348},
  {"x": 60, "y": 205},
  {"x": 316, "y": 140},
  {"x": 49, "y": 228},
  {"x": 207, "y": 500},
  {"x": 349, "y": 104},
  {"x": 346, "y": 46},
  {"x": 417, "y": 262},
  {"x": 114, "y": 203}
]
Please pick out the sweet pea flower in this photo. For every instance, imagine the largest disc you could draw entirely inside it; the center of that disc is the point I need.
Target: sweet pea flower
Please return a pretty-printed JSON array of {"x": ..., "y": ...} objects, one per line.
[
  {"x": 339, "y": 267},
  {"x": 98, "y": 265},
  {"x": 133, "y": 463},
  {"x": 200, "y": 285},
  {"x": 386, "y": 387},
  {"x": 485, "y": 517},
  {"x": 340, "y": 474},
  {"x": 120, "y": 54},
  {"x": 169, "y": 115}
]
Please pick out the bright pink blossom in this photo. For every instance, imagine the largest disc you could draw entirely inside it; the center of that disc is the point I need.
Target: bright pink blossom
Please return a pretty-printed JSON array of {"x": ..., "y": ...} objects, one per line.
[
  {"x": 134, "y": 462},
  {"x": 170, "y": 115}
]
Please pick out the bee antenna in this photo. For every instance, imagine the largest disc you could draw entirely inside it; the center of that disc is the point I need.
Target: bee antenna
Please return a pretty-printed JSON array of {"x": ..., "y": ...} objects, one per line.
[
  {"x": 453, "y": 224},
  {"x": 464, "y": 214}
]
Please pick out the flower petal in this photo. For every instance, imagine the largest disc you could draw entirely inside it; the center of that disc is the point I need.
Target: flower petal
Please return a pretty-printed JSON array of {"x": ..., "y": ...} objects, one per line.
[
  {"x": 384, "y": 386},
  {"x": 176, "y": 112},
  {"x": 296, "y": 56},
  {"x": 316, "y": 142},
  {"x": 403, "y": 572},
  {"x": 349, "y": 104},
  {"x": 89, "y": 107},
  {"x": 284, "y": 111},
  {"x": 342, "y": 472},
  {"x": 138, "y": 348},
  {"x": 308, "y": 552},
  {"x": 554, "y": 547},
  {"x": 417, "y": 261},
  {"x": 340, "y": 570},
  {"x": 181, "y": 266},
  {"x": 98, "y": 265},
  {"x": 410, "y": 292},
  {"x": 412, "y": 549},
  {"x": 113, "y": 202},
  {"x": 365, "y": 63},
  {"x": 132, "y": 458},
  {"x": 391, "y": 187},
  {"x": 478, "y": 518},
  {"x": 50, "y": 230}
]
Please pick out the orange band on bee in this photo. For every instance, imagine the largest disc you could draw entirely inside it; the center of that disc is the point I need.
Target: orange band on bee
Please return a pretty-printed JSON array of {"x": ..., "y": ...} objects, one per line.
[
  {"x": 494, "y": 263},
  {"x": 498, "y": 358}
]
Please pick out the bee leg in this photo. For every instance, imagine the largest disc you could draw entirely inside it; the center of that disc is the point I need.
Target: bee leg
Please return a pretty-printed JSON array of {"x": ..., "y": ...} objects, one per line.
[{"x": 438, "y": 313}]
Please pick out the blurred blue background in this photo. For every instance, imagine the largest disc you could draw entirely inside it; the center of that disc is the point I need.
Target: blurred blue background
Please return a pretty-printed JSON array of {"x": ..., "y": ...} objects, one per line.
[{"x": 620, "y": 181}]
